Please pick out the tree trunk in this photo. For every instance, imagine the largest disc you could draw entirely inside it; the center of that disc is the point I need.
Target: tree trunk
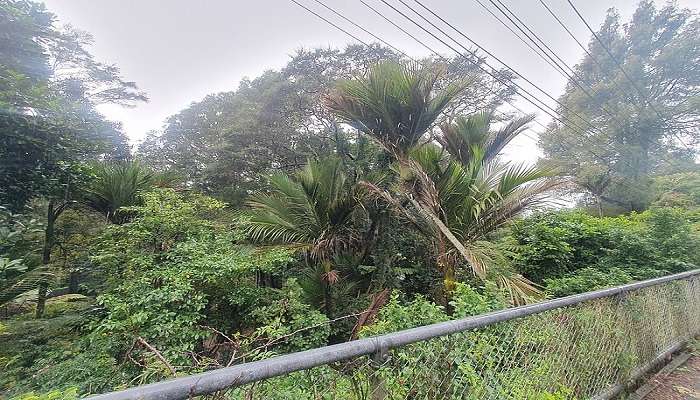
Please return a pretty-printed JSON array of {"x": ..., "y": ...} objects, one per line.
[
  {"x": 599, "y": 204},
  {"x": 327, "y": 300},
  {"x": 370, "y": 237},
  {"x": 326, "y": 281},
  {"x": 46, "y": 258},
  {"x": 73, "y": 282}
]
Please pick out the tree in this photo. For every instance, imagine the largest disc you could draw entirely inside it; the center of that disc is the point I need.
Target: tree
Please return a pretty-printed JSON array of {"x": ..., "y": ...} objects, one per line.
[
  {"x": 49, "y": 88},
  {"x": 229, "y": 141},
  {"x": 117, "y": 185},
  {"x": 478, "y": 194},
  {"x": 396, "y": 105},
  {"x": 643, "y": 103},
  {"x": 310, "y": 211},
  {"x": 678, "y": 190}
]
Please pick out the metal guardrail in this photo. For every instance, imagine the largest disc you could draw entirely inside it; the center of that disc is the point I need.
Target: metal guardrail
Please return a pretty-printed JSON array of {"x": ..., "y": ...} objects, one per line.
[{"x": 583, "y": 346}]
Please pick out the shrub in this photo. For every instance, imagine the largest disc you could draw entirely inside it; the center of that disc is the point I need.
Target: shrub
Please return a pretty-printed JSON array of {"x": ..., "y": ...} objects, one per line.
[
  {"x": 571, "y": 252},
  {"x": 585, "y": 280}
]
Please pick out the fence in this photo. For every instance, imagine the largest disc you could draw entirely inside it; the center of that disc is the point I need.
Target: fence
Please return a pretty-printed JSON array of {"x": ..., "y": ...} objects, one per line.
[{"x": 587, "y": 346}]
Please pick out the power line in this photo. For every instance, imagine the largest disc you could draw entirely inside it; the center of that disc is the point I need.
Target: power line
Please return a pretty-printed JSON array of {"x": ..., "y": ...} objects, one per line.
[
  {"x": 361, "y": 28},
  {"x": 465, "y": 57},
  {"x": 571, "y": 77},
  {"x": 473, "y": 54},
  {"x": 438, "y": 55},
  {"x": 401, "y": 29},
  {"x": 456, "y": 51},
  {"x": 607, "y": 50},
  {"x": 617, "y": 87},
  {"x": 486, "y": 51},
  {"x": 492, "y": 55},
  {"x": 516, "y": 35},
  {"x": 391, "y": 46},
  {"x": 354, "y": 37},
  {"x": 558, "y": 62},
  {"x": 479, "y": 66},
  {"x": 568, "y": 31},
  {"x": 585, "y": 50},
  {"x": 329, "y": 22},
  {"x": 342, "y": 30}
]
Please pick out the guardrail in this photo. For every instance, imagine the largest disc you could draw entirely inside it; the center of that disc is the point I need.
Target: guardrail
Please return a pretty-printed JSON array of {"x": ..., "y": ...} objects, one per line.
[{"x": 590, "y": 345}]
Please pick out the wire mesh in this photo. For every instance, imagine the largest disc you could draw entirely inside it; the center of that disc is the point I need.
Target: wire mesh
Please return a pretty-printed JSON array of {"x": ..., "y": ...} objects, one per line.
[{"x": 574, "y": 352}]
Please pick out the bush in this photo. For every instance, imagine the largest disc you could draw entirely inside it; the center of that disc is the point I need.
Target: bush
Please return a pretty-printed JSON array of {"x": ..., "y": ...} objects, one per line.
[
  {"x": 585, "y": 280},
  {"x": 573, "y": 252},
  {"x": 185, "y": 284}
]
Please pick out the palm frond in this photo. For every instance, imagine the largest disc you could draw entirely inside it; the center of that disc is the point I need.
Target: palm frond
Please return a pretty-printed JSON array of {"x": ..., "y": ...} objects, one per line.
[
  {"x": 464, "y": 135},
  {"x": 310, "y": 209},
  {"x": 499, "y": 139},
  {"x": 118, "y": 185},
  {"x": 395, "y": 103},
  {"x": 520, "y": 290}
]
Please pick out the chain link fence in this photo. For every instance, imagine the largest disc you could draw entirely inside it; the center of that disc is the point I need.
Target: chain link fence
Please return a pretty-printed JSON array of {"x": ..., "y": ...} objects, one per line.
[{"x": 580, "y": 347}]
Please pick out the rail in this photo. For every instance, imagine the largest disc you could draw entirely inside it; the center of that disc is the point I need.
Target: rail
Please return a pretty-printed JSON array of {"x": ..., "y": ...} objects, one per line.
[{"x": 590, "y": 345}]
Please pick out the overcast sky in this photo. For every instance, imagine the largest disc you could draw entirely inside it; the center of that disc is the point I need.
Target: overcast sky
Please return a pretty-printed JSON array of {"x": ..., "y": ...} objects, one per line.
[{"x": 178, "y": 51}]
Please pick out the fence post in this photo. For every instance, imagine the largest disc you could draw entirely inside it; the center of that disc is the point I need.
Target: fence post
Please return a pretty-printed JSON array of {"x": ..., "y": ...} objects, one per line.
[{"x": 379, "y": 358}]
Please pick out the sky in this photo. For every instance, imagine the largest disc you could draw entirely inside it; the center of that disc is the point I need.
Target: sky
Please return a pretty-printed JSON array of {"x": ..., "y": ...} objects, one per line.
[{"x": 178, "y": 51}]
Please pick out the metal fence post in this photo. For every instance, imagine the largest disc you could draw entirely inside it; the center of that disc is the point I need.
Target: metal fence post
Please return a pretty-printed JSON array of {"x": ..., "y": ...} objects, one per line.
[{"x": 379, "y": 359}]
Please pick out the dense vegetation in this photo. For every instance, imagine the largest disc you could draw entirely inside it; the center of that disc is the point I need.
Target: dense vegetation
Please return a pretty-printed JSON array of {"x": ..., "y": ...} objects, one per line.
[{"x": 348, "y": 194}]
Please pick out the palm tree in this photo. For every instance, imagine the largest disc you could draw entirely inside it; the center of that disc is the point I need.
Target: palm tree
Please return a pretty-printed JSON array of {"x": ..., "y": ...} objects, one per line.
[
  {"x": 460, "y": 189},
  {"x": 117, "y": 185},
  {"x": 478, "y": 194},
  {"x": 395, "y": 104},
  {"x": 310, "y": 211}
]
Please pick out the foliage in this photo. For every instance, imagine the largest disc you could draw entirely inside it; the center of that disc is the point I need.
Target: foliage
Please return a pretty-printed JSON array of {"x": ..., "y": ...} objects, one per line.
[
  {"x": 43, "y": 157},
  {"x": 55, "y": 353},
  {"x": 398, "y": 315},
  {"x": 156, "y": 266},
  {"x": 176, "y": 275},
  {"x": 68, "y": 394},
  {"x": 117, "y": 185},
  {"x": 19, "y": 253},
  {"x": 226, "y": 144},
  {"x": 678, "y": 190},
  {"x": 586, "y": 280},
  {"x": 575, "y": 252},
  {"x": 462, "y": 198},
  {"x": 311, "y": 211},
  {"x": 290, "y": 318},
  {"x": 49, "y": 87},
  {"x": 366, "y": 195},
  {"x": 395, "y": 104},
  {"x": 646, "y": 118},
  {"x": 467, "y": 301},
  {"x": 477, "y": 193}
]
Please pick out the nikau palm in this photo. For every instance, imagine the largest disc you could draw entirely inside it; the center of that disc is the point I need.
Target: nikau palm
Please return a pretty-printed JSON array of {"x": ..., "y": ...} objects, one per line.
[
  {"x": 395, "y": 104},
  {"x": 460, "y": 188},
  {"x": 311, "y": 211},
  {"x": 478, "y": 194},
  {"x": 120, "y": 184}
]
